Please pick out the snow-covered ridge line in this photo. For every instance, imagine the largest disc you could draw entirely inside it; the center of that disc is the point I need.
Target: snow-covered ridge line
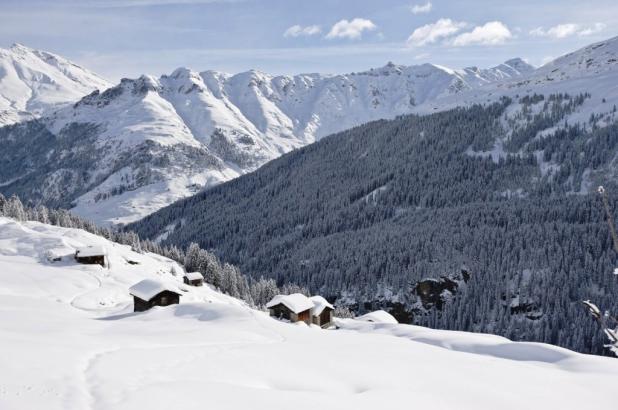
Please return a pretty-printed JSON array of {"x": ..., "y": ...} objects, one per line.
[
  {"x": 33, "y": 82},
  {"x": 161, "y": 139},
  {"x": 241, "y": 121},
  {"x": 76, "y": 322}
]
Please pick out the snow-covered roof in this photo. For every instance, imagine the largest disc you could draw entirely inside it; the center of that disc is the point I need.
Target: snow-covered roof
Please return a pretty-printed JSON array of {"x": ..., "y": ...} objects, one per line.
[
  {"x": 296, "y": 302},
  {"x": 92, "y": 250},
  {"x": 319, "y": 304},
  {"x": 149, "y": 288},
  {"x": 379, "y": 316},
  {"x": 194, "y": 276}
]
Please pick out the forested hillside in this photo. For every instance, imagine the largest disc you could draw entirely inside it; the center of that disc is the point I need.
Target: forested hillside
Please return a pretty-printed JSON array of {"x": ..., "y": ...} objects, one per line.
[{"x": 364, "y": 215}]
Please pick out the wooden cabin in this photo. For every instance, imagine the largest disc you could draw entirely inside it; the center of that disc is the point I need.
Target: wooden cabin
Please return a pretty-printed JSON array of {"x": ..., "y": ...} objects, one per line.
[
  {"x": 91, "y": 255},
  {"x": 322, "y": 311},
  {"x": 295, "y": 308},
  {"x": 149, "y": 293},
  {"x": 193, "y": 278}
]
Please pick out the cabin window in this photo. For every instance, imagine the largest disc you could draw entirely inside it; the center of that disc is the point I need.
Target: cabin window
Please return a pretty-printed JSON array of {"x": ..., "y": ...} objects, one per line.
[{"x": 164, "y": 300}]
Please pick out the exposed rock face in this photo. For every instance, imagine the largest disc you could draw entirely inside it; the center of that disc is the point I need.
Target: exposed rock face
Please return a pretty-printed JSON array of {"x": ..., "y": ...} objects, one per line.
[
  {"x": 523, "y": 306},
  {"x": 436, "y": 292}
]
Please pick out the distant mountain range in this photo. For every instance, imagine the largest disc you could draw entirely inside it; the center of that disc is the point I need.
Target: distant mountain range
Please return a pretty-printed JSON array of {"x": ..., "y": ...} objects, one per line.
[
  {"x": 478, "y": 218},
  {"x": 151, "y": 141}
]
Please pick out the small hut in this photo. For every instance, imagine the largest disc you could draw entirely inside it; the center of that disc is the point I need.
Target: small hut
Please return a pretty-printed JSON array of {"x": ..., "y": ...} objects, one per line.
[
  {"x": 322, "y": 311},
  {"x": 149, "y": 293},
  {"x": 193, "y": 279},
  {"x": 295, "y": 307},
  {"x": 91, "y": 255}
]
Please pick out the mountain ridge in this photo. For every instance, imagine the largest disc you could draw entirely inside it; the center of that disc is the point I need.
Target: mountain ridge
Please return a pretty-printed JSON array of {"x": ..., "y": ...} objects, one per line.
[
  {"x": 244, "y": 120},
  {"x": 239, "y": 121},
  {"x": 33, "y": 82}
]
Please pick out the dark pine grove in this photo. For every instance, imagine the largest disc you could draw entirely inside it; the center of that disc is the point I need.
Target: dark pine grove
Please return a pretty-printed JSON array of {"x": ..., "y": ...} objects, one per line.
[{"x": 363, "y": 215}]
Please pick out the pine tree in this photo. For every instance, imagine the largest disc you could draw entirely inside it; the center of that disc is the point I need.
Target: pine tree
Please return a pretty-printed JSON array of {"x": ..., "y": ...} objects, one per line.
[
  {"x": 15, "y": 209},
  {"x": 192, "y": 257}
]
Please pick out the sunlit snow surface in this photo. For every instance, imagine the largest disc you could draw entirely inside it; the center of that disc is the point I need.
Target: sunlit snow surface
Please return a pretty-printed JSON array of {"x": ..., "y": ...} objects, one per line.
[
  {"x": 69, "y": 340},
  {"x": 33, "y": 82}
]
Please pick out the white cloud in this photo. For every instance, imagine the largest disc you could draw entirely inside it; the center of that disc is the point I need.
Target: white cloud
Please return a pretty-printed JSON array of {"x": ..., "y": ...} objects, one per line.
[
  {"x": 297, "y": 31},
  {"x": 351, "y": 29},
  {"x": 492, "y": 33},
  {"x": 559, "y": 31},
  {"x": 567, "y": 30},
  {"x": 430, "y": 33},
  {"x": 538, "y": 32},
  {"x": 596, "y": 28},
  {"x": 421, "y": 8}
]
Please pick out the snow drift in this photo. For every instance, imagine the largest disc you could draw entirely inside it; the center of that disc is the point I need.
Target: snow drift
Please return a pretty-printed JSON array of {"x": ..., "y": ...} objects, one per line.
[{"x": 71, "y": 341}]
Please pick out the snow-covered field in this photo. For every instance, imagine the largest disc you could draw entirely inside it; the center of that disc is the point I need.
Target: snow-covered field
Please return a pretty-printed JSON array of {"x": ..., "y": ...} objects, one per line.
[{"x": 69, "y": 340}]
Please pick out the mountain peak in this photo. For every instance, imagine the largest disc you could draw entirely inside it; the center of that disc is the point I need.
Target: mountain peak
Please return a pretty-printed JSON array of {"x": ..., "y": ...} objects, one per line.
[
  {"x": 520, "y": 65},
  {"x": 19, "y": 46},
  {"x": 183, "y": 72},
  {"x": 392, "y": 67},
  {"x": 33, "y": 82}
]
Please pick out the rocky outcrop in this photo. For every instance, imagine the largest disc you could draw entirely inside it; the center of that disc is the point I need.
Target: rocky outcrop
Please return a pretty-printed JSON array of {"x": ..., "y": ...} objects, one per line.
[{"x": 434, "y": 293}]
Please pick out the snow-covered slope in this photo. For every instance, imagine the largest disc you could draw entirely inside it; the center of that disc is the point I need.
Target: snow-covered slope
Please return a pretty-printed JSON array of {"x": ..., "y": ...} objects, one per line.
[
  {"x": 33, "y": 82},
  {"x": 592, "y": 69},
  {"x": 156, "y": 140},
  {"x": 71, "y": 341},
  {"x": 218, "y": 126}
]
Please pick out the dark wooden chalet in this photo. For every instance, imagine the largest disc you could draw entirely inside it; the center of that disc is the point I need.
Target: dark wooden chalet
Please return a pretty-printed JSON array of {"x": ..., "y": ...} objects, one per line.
[
  {"x": 295, "y": 308},
  {"x": 322, "y": 311},
  {"x": 193, "y": 278},
  {"x": 149, "y": 293},
  {"x": 91, "y": 255}
]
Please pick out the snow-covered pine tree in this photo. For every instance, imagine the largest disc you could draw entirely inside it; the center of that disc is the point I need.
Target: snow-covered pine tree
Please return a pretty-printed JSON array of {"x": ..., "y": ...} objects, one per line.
[
  {"x": 343, "y": 312},
  {"x": 14, "y": 208},
  {"x": 191, "y": 257},
  {"x": 607, "y": 322}
]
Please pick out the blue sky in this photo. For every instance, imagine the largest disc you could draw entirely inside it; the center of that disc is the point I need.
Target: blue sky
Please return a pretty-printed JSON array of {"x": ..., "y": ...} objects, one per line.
[{"x": 124, "y": 38}]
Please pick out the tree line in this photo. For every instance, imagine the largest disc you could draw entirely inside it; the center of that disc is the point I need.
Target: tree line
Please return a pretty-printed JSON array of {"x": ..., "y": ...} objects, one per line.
[
  {"x": 363, "y": 215},
  {"x": 223, "y": 276}
]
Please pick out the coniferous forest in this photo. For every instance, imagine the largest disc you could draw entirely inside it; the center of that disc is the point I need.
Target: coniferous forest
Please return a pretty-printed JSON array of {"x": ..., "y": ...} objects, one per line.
[{"x": 364, "y": 215}]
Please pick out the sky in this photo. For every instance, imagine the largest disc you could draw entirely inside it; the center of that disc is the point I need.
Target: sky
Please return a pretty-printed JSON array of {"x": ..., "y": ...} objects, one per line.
[{"x": 127, "y": 38}]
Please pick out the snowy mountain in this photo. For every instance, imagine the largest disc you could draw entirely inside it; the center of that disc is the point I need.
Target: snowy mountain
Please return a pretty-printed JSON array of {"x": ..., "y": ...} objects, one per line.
[
  {"x": 71, "y": 341},
  {"x": 425, "y": 216},
  {"x": 592, "y": 69},
  {"x": 33, "y": 82},
  {"x": 152, "y": 140}
]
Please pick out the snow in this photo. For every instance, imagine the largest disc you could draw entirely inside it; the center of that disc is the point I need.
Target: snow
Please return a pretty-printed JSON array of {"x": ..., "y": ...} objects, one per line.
[
  {"x": 135, "y": 204},
  {"x": 148, "y": 288},
  {"x": 91, "y": 250},
  {"x": 319, "y": 304},
  {"x": 243, "y": 120},
  {"x": 379, "y": 316},
  {"x": 592, "y": 308},
  {"x": 70, "y": 341},
  {"x": 247, "y": 119},
  {"x": 194, "y": 276},
  {"x": 33, "y": 82},
  {"x": 592, "y": 69},
  {"x": 296, "y": 302}
]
